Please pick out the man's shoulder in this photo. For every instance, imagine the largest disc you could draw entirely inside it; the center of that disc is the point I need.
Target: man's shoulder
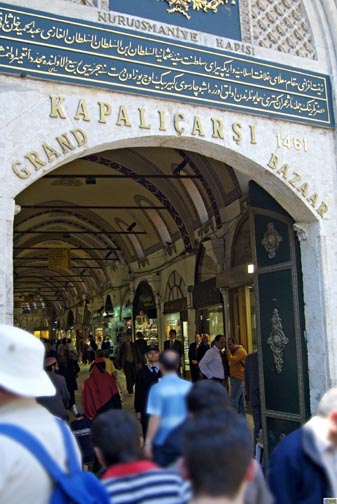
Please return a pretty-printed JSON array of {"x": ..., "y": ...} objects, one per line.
[
  {"x": 57, "y": 379},
  {"x": 291, "y": 445},
  {"x": 145, "y": 480}
]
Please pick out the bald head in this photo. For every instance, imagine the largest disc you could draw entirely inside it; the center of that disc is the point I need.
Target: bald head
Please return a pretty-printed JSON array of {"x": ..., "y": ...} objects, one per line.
[{"x": 169, "y": 361}]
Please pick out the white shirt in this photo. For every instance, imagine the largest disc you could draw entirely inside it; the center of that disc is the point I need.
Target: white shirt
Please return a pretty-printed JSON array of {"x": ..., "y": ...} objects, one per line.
[
  {"x": 211, "y": 364},
  {"x": 328, "y": 453},
  {"x": 22, "y": 478}
]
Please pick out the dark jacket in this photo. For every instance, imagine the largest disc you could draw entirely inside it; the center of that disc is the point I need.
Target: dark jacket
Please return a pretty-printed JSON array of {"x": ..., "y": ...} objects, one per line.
[
  {"x": 177, "y": 346},
  {"x": 58, "y": 403},
  {"x": 144, "y": 381},
  {"x": 123, "y": 352},
  {"x": 193, "y": 352},
  {"x": 296, "y": 474},
  {"x": 202, "y": 349}
]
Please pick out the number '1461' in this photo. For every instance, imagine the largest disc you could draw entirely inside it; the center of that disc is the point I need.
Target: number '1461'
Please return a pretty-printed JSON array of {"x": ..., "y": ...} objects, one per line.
[{"x": 297, "y": 143}]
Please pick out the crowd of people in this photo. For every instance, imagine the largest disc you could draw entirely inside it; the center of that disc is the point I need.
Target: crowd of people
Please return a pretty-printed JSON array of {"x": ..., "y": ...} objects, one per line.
[{"x": 186, "y": 442}]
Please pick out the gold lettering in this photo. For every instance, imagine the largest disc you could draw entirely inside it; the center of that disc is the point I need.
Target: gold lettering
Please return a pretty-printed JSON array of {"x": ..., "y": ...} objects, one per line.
[
  {"x": 82, "y": 111},
  {"x": 103, "y": 16},
  {"x": 177, "y": 118},
  {"x": 50, "y": 152},
  {"x": 252, "y": 134},
  {"x": 33, "y": 157},
  {"x": 197, "y": 127},
  {"x": 237, "y": 132},
  {"x": 274, "y": 161},
  {"x": 105, "y": 109},
  {"x": 322, "y": 209},
  {"x": 303, "y": 189},
  {"x": 56, "y": 110},
  {"x": 217, "y": 128},
  {"x": 123, "y": 118},
  {"x": 142, "y": 119},
  {"x": 161, "y": 120},
  {"x": 313, "y": 199},
  {"x": 297, "y": 178},
  {"x": 284, "y": 170},
  {"x": 65, "y": 143},
  {"x": 80, "y": 136},
  {"x": 23, "y": 173}
]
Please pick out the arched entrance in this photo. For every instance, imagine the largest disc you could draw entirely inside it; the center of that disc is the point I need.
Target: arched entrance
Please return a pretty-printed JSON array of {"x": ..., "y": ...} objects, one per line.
[{"x": 180, "y": 198}]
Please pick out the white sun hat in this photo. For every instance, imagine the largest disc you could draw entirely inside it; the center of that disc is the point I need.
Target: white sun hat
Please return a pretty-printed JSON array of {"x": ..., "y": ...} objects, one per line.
[{"x": 21, "y": 364}]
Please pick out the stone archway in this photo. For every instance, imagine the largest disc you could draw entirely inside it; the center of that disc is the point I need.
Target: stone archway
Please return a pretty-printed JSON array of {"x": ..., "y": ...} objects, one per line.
[{"x": 68, "y": 125}]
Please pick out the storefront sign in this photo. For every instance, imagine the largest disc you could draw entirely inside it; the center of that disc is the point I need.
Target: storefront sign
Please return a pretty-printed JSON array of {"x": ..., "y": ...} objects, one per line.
[
  {"x": 57, "y": 48},
  {"x": 58, "y": 259},
  {"x": 176, "y": 305}
]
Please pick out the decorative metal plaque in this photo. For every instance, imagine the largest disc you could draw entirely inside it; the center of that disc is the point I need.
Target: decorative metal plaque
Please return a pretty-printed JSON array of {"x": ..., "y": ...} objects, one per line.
[
  {"x": 271, "y": 240},
  {"x": 277, "y": 340},
  {"x": 183, "y": 6}
]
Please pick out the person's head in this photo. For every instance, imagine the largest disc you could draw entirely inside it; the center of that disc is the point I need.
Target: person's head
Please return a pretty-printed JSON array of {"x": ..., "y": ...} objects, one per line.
[
  {"x": 206, "y": 396},
  {"x": 205, "y": 338},
  {"x": 217, "y": 455},
  {"x": 220, "y": 341},
  {"x": 51, "y": 364},
  {"x": 115, "y": 437},
  {"x": 197, "y": 338},
  {"x": 139, "y": 335},
  {"x": 100, "y": 353},
  {"x": 327, "y": 408},
  {"x": 172, "y": 334},
  {"x": 169, "y": 361},
  {"x": 127, "y": 338},
  {"x": 231, "y": 343},
  {"x": 22, "y": 365},
  {"x": 152, "y": 354}
]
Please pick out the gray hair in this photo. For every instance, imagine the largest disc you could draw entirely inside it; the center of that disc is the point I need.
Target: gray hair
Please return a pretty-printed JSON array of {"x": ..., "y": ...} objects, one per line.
[{"x": 328, "y": 403}]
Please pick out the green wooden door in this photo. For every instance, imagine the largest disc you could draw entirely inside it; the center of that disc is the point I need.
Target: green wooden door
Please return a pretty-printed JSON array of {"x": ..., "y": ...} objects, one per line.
[{"x": 280, "y": 321}]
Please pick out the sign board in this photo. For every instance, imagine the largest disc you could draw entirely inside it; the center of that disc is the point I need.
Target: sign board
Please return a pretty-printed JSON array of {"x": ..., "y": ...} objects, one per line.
[
  {"x": 84, "y": 53},
  {"x": 58, "y": 259},
  {"x": 217, "y": 17}
]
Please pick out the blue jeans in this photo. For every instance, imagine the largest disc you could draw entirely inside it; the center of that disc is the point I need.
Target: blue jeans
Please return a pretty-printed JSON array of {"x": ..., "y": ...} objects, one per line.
[{"x": 237, "y": 396}]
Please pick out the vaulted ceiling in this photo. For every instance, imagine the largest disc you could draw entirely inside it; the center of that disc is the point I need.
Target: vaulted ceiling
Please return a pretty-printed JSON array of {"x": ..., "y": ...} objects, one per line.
[{"x": 113, "y": 209}]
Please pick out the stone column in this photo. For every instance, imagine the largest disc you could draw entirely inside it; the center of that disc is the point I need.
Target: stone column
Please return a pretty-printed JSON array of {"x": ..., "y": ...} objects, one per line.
[
  {"x": 319, "y": 268},
  {"x": 7, "y": 212}
]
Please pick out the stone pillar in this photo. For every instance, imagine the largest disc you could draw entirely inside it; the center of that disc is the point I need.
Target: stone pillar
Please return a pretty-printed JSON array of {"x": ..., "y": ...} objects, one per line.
[
  {"x": 319, "y": 268},
  {"x": 7, "y": 212}
]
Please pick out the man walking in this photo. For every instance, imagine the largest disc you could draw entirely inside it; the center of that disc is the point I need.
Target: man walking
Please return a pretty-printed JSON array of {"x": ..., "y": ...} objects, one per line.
[
  {"x": 22, "y": 379},
  {"x": 236, "y": 356},
  {"x": 193, "y": 358},
  {"x": 173, "y": 344},
  {"x": 146, "y": 376},
  {"x": 303, "y": 468},
  {"x": 129, "y": 479},
  {"x": 217, "y": 456},
  {"x": 213, "y": 364},
  {"x": 129, "y": 358},
  {"x": 166, "y": 406},
  {"x": 57, "y": 405}
]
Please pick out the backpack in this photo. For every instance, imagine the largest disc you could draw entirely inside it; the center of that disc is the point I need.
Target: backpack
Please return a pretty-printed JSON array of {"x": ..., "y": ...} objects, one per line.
[{"x": 73, "y": 487}]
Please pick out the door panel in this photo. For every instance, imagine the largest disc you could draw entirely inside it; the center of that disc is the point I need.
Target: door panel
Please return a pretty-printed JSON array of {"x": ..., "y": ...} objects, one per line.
[{"x": 280, "y": 321}]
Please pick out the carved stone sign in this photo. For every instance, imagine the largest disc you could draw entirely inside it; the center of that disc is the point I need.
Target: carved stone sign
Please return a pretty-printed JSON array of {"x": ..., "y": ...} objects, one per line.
[{"x": 57, "y": 48}]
